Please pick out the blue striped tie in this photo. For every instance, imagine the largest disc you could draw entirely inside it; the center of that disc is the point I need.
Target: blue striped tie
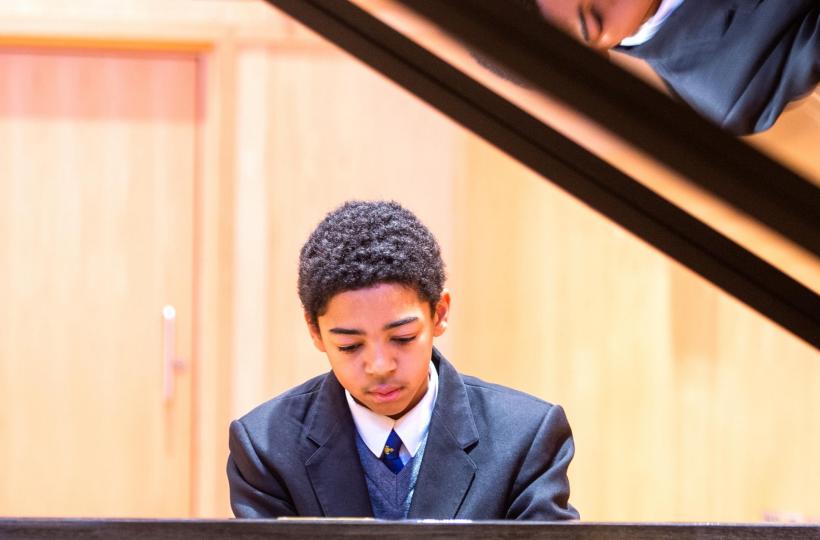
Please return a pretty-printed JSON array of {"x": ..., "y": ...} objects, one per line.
[{"x": 390, "y": 457}]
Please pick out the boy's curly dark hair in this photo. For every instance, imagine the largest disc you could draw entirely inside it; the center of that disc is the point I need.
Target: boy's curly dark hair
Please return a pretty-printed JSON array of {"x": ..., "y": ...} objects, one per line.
[{"x": 365, "y": 243}]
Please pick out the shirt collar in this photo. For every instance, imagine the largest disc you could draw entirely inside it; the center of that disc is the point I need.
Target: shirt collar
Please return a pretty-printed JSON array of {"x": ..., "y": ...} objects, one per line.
[
  {"x": 653, "y": 24},
  {"x": 411, "y": 428}
]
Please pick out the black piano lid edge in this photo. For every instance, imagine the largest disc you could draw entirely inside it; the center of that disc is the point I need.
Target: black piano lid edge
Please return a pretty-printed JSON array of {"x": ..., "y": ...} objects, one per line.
[{"x": 619, "y": 197}]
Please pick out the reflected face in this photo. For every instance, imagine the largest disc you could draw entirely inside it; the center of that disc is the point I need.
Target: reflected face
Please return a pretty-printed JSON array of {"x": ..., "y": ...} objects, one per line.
[
  {"x": 601, "y": 24},
  {"x": 379, "y": 342}
]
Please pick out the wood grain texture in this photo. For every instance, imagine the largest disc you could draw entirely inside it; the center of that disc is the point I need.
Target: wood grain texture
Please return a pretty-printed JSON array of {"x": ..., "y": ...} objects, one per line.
[{"x": 213, "y": 281}]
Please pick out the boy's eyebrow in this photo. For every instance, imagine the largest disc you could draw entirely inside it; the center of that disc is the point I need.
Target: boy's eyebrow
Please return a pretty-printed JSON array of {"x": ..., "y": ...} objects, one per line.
[
  {"x": 346, "y": 331},
  {"x": 400, "y": 322},
  {"x": 388, "y": 326}
]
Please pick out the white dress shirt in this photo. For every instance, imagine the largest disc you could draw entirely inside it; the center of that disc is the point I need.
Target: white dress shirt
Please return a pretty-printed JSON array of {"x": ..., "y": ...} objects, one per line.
[
  {"x": 411, "y": 428},
  {"x": 653, "y": 24}
]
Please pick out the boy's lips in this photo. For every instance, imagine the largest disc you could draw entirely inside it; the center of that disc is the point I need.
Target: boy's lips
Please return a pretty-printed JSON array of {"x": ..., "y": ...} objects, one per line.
[{"x": 385, "y": 393}]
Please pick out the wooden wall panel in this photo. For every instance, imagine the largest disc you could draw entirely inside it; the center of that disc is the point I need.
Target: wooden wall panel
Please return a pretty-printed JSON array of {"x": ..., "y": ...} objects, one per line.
[{"x": 213, "y": 282}]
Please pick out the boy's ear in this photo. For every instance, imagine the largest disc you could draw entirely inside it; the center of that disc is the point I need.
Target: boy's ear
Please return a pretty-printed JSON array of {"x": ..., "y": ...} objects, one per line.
[
  {"x": 314, "y": 333},
  {"x": 441, "y": 313}
]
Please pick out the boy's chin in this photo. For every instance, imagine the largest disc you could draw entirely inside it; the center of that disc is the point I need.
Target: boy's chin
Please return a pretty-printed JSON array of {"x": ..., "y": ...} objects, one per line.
[
  {"x": 385, "y": 405},
  {"x": 393, "y": 410}
]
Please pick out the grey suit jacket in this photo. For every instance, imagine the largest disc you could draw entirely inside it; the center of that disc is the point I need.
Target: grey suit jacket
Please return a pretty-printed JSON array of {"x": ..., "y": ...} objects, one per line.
[
  {"x": 738, "y": 62},
  {"x": 492, "y": 453}
]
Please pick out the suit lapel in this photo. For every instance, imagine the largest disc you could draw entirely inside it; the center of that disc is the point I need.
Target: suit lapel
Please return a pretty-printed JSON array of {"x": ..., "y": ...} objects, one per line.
[
  {"x": 334, "y": 468},
  {"x": 447, "y": 471}
]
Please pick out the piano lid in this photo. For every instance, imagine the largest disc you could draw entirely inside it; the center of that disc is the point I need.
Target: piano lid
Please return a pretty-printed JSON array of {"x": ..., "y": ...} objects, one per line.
[{"x": 608, "y": 137}]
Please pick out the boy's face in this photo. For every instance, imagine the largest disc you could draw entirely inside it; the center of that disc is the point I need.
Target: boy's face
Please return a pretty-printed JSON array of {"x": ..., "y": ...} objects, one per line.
[
  {"x": 601, "y": 24},
  {"x": 379, "y": 342}
]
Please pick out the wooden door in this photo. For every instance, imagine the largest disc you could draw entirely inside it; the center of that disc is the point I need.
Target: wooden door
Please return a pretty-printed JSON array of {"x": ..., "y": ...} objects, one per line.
[{"x": 97, "y": 158}]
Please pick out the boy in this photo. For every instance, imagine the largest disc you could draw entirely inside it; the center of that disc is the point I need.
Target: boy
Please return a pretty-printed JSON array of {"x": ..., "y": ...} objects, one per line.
[{"x": 393, "y": 431}]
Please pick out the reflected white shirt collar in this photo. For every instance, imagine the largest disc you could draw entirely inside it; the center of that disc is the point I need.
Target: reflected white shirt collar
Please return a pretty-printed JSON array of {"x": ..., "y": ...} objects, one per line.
[
  {"x": 651, "y": 26},
  {"x": 412, "y": 427}
]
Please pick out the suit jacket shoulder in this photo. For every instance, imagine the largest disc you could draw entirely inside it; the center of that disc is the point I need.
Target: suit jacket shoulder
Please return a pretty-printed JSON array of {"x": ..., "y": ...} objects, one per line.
[
  {"x": 290, "y": 406},
  {"x": 499, "y": 406}
]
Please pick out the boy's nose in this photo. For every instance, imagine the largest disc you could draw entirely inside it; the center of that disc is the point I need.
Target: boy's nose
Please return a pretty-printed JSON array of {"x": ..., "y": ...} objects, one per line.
[{"x": 380, "y": 363}]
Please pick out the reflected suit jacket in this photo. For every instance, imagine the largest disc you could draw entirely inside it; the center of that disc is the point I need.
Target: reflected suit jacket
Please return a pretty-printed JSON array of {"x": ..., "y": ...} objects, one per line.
[
  {"x": 492, "y": 453},
  {"x": 738, "y": 62}
]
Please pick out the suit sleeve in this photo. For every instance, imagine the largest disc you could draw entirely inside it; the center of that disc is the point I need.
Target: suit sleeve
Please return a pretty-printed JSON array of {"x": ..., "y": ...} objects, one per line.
[
  {"x": 256, "y": 491},
  {"x": 541, "y": 489}
]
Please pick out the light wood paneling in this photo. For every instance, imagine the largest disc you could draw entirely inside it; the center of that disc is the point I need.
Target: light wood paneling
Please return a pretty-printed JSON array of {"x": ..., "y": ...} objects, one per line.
[
  {"x": 213, "y": 282},
  {"x": 96, "y": 180}
]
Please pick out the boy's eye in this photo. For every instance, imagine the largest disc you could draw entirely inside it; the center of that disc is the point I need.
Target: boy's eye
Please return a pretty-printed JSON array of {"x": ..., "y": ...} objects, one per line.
[
  {"x": 349, "y": 348},
  {"x": 403, "y": 340}
]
